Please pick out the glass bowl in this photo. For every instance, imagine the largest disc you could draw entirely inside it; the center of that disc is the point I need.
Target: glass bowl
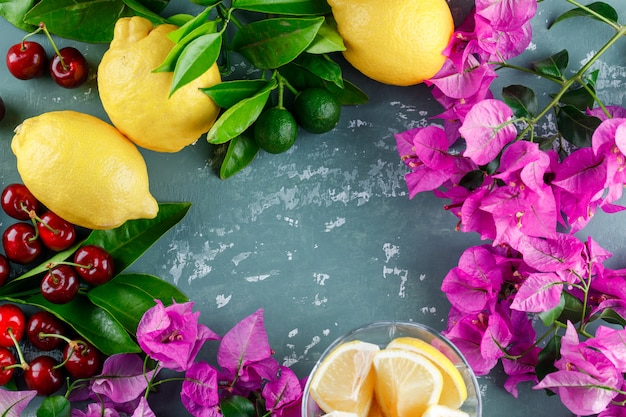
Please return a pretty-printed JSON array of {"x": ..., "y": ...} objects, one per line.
[{"x": 383, "y": 332}]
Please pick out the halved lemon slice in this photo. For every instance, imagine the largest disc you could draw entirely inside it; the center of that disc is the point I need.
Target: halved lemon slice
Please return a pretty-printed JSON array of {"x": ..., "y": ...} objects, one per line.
[
  {"x": 406, "y": 383},
  {"x": 443, "y": 411},
  {"x": 454, "y": 391},
  {"x": 345, "y": 379}
]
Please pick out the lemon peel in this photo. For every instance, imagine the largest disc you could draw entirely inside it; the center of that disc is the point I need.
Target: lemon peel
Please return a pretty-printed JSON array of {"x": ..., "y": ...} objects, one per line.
[
  {"x": 396, "y": 42},
  {"x": 83, "y": 169},
  {"x": 138, "y": 101}
]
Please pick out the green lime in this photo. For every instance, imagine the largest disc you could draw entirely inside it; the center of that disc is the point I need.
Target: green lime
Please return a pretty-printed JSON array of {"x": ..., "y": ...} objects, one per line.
[
  {"x": 275, "y": 130},
  {"x": 317, "y": 110}
]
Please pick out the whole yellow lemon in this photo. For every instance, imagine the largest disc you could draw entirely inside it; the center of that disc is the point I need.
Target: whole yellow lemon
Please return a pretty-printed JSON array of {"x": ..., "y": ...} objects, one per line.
[
  {"x": 397, "y": 42},
  {"x": 137, "y": 100},
  {"x": 83, "y": 169}
]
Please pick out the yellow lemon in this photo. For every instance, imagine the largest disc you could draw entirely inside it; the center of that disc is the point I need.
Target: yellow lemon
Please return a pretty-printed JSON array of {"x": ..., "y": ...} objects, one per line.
[
  {"x": 137, "y": 100},
  {"x": 406, "y": 383},
  {"x": 83, "y": 169},
  {"x": 438, "y": 410},
  {"x": 454, "y": 391},
  {"x": 398, "y": 42},
  {"x": 344, "y": 380}
]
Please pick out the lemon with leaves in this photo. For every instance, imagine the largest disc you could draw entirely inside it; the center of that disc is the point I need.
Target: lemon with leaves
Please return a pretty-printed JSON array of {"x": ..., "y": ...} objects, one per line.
[
  {"x": 137, "y": 99},
  {"x": 83, "y": 169},
  {"x": 397, "y": 42}
]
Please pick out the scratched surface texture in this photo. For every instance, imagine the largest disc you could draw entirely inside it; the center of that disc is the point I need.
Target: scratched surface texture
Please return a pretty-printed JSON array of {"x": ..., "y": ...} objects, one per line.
[{"x": 324, "y": 237}]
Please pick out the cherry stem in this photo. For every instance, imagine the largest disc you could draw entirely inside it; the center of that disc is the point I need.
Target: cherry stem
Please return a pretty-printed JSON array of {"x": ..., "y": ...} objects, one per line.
[
  {"x": 36, "y": 31},
  {"x": 51, "y": 265},
  {"x": 73, "y": 344},
  {"x": 20, "y": 355},
  {"x": 42, "y": 25}
]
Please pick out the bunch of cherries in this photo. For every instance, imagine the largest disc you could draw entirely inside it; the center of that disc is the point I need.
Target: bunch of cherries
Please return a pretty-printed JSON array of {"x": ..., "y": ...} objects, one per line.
[
  {"x": 44, "y": 374},
  {"x": 28, "y": 59},
  {"x": 24, "y": 242}
]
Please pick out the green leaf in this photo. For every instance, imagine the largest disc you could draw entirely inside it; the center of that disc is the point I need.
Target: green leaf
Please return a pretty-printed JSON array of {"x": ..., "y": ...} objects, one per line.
[
  {"x": 271, "y": 43},
  {"x": 547, "y": 356},
  {"x": 91, "y": 322},
  {"x": 228, "y": 93},
  {"x": 208, "y": 3},
  {"x": 196, "y": 59},
  {"x": 240, "y": 153},
  {"x": 237, "y": 406},
  {"x": 190, "y": 26},
  {"x": 553, "y": 66},
  {"x": 234, "y": 121},
  {"x": 169, "y": 63},
  {"x": 326, "y": 40},
  {"x": 143, "y": 11},
  {"x": 90, "y": 21},
  {"x": 611, "y": 316},
  {"x": 598, "y": 7},
  {"x": 579, "y": 98},
  {"x": 128, "y": 296},
  {"x": 521, "y": 100},
  {"x": 572, "y": 310},
  {"x": 291, "y": 7},
  {"x": 301, "y": 78},
  {"x": 129, "y": 241},
  {"x": 179, "y": 19},
  {"x": 14, "y": 11},
  {"x": 576, "y": 126},
  {"x": 550, "y": 316},
  {"x": 54, "y": 406},
  {"x": 322, "y": 66},
  {"x": 472, "y": 180}
]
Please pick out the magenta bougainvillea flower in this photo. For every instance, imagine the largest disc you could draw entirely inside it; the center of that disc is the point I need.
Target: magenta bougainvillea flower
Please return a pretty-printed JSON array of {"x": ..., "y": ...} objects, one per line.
[
  {"x": 14, "y": 402},
  {"x": 200, "y": 391},
  {"x": 123, "y": 378},
  {"x": 172, "y": 335},
  {"x": 283, "y": 396}
]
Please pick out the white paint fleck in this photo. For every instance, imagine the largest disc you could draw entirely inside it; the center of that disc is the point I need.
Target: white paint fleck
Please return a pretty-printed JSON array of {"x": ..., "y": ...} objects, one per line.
[
  {"x": 289, "y": 220},
  {"x": 314, "y": 341},
  {"x": 326, "y": 332},
  {"x": 337, "y": 222},
  {"x": 353, "y": 124},
  {"x": 403, "y": 274},
  {"x": 260, "y": 277},
  {"x": 391, "y": 251},
  {"x": 422, "y": 277},
  {"x": 241, "y": 257},
  {"x": 531, "y": 46},
  {"x": 320, "y": 278},
  {"x": 292, "y": 333},
  {"x": 319, "y": 301},
  {"x": 221, "y": 300},
  {"x": 426, "y": 310}
]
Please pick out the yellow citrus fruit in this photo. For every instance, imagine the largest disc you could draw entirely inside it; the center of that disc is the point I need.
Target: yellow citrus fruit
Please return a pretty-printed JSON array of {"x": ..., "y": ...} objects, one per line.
[
  {"x": 396, "y": 42},
  {"x": 454, "y": 391},
  {"x": 443, "y": 411},
  {"x": 83, "y": 169},
  {"x": 406, "y": 383},
  {"x": 344, "y": 380},
  {"x": 340, "y": 414},
  {"x": 137, "y": 100}
]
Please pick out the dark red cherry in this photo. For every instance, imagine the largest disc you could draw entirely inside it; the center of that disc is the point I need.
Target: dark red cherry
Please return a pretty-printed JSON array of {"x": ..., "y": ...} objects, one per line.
[
  {"x": 72, "y": 70},
  {"x": 60, "y": 284},
  {"x": 6, "y": 360},
  {"x": 5, "y": 269},
  {"x": 96, "y": 264},
  {"x": 17, "y": 201},
  {"x": 26, "y": 60},
  {"x": 44, "y": 375},
  {"x": 20, "y": 243},
  {"x": 81, "y": 359},
  {"x": 12, "y": 321},
  {"x": 56, "y": 233},
  {"x": 44, "y": 323}
]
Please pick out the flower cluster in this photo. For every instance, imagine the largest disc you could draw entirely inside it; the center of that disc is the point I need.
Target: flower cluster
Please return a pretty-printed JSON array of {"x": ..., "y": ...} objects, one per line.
[
  {"x": 528, "y": 195},
  {"x": 248, "y": 378}
]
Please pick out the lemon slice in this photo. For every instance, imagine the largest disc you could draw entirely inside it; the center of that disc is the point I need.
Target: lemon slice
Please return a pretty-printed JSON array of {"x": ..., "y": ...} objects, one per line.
[
  {"x": 443, "y": 411},
  {"x": 344, "y": 380},
  {"x": 406, "y": 383},
  {"x": 454, "y": 391},
  {"x": 339, "y": 414}
]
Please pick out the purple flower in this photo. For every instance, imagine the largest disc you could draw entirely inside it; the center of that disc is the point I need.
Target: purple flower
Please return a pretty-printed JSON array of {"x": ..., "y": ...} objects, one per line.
[
  {"x": 284, "y": 394},
  {"x": 143, "y": 409},
  {"x": 96, "y": 410},
  {"x": 199, "y": 393},
  {"x": 586, "y": 380},
  {"x": 172, "y": 335},
  {"x": 122, "y": 379},
  {"x": 12, "y": 403}
]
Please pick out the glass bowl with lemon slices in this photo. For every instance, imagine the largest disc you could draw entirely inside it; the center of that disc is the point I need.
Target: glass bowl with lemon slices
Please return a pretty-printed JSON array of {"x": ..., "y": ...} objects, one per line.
[{"x": 392, "y": 369}]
